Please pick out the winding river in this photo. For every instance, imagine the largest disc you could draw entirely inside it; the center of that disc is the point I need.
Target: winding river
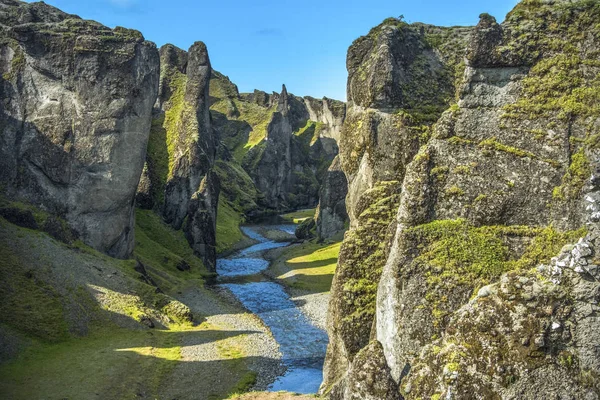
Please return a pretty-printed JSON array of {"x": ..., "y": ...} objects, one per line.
[{"x": 301, "y": 343}]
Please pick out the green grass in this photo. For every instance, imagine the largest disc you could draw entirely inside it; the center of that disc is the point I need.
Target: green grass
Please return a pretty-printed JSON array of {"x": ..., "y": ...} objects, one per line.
[
  {"x": 228, "y": 226},
  {"x": 27, "y": 303},
  {"x": 109, "y": 362},
  {"x": 256, "y": 116},
  {"x": 161, "y": 248},
  {"x": 299, "y": 216},
  {"x": 310, "y": 266},
  {"x": 101, "y": 363}
]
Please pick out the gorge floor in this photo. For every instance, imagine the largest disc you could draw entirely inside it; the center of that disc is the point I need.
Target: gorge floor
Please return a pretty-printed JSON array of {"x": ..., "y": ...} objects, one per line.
[{"x": 302, "y": 344}]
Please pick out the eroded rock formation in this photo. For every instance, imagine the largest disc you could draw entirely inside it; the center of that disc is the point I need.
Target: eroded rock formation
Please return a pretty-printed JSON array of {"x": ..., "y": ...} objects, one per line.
[
  {"x": 282, "y": 142},
  {"x": 383, "y": 131},
  {"x": 487, "y": 288},
  {"x": 76, "y": 109},
  {"x": 178, "y": 181},
  {"x": 331, "y": 216}
]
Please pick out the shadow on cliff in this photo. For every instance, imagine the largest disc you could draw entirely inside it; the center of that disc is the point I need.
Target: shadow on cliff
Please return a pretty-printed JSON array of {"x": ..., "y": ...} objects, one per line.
[{"x": 233, "y": 133}]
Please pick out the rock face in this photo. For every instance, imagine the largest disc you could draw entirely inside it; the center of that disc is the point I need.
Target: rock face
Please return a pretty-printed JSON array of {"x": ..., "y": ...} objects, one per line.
[
  {"x": 383, "y": 131},
  {"x": 76, "y": 109},
  {"x": 331, "y": 215},
  {"x": 282, "y": 142},
  {"x": 177, "y": 179},
  {"x": 272, "y": 171},
  {"x": 488, "y": 285}
]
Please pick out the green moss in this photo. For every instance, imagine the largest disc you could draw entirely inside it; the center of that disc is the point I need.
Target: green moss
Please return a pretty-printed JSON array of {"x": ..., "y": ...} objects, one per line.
[
  {"x": 561, "y": 83},
  {"x": 494, "y": 144},
  {"x": 175, "y": 120},
  {"x": 452, "y": 367},
  {"x": 18, "y": 62},
  {"x": 362, "y": 258},
  {"x": 456, "y": 140},
  {"x": 556, "y": 86},
  {"x": 458, "y": 256},
  {"x": 454, "y": 191},
  {"x": 572, "y": 183},
  {"x": 462, "y": 169}
]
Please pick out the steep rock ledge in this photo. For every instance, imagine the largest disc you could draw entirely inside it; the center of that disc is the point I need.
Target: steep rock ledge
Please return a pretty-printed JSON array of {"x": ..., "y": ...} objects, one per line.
[
  {"x": 331, "y": 216},
  {"x": 489, "y": 288},
  {"x": 401, "y": 78},
  {"x": 76, "y": 109},
  {"x": 178, "y": 180}
]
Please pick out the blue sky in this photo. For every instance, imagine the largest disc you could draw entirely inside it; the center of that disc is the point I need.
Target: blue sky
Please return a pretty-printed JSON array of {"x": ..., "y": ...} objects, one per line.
[{"x": 264, "y": 43}]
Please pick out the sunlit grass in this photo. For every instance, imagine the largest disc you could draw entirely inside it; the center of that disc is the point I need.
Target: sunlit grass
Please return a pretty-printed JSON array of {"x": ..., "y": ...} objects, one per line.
[
  {"x": 299, "y": 216},
  {"x": 310, "y": 266}
]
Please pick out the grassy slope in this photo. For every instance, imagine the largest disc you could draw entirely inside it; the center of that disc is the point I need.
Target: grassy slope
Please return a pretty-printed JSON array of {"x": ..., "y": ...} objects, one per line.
[
  {"x": 228, "y": 226},
  {"x": 74, "y": 313}
]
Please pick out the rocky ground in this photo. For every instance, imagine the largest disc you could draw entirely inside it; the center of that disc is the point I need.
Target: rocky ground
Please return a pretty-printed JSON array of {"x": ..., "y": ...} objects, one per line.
[{"x": 248, "y": 343}]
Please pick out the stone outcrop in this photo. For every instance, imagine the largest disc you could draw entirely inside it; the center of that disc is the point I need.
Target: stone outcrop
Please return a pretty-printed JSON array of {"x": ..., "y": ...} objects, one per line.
[
  {"x": 76, "y": 109},
  {"x": 331, "y": 216},
  {"x": 178, "y": 180},
  {"x": 272, "y": 171},
  {"x": 487, "y": 286}
]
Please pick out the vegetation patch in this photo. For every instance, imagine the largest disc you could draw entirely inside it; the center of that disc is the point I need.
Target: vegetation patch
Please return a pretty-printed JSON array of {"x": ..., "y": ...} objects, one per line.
[
  {"x": 572, "y": 183},
  {"x": 102, "y": 362},
  {"x": 564, "y": 81},
  {"x": 362, "y": 257},
  {"x": 26, "y": 302},
  {"x": 310, "y": 266},
  {"x": 228, "y": 226},
  {"x": 459, "y": 257},
  {"x": 162, "y": 249},
  {"x": 299, "y": 216}
]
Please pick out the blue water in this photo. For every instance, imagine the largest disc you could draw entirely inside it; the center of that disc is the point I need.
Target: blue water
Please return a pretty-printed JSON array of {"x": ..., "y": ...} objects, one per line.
[{"x": 302, "y": 344}]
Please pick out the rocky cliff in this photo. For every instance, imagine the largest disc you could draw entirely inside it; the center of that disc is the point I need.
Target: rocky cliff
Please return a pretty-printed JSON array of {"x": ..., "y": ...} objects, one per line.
[
  {"x": 276, "y": 148},
  {"x": 178, "y": 180},
  {"x": 401, "y": 78},
  {"x": 485, "y": 281},
  {"x": 76, "y": 109},
  {"x": 331, "y": 216}
]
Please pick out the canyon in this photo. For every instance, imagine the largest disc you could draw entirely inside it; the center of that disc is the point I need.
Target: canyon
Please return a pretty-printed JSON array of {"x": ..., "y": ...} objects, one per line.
[{"x": 454, "y": 194}]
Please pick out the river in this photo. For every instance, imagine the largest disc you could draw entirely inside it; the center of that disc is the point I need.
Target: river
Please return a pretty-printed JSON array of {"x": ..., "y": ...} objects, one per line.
[{"x": 301, "y": 343}]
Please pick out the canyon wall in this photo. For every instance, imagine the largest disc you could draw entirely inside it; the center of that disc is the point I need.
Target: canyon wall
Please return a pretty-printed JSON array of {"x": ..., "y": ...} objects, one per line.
[
  {"x": 277, "y": 146},
  {"x": 485, "y": 283},
  {"x": 76, "y": 109}
]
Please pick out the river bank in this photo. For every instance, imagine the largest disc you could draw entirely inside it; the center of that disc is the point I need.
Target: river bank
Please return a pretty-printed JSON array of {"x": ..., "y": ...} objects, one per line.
[{"x": 302, "y": 342}]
